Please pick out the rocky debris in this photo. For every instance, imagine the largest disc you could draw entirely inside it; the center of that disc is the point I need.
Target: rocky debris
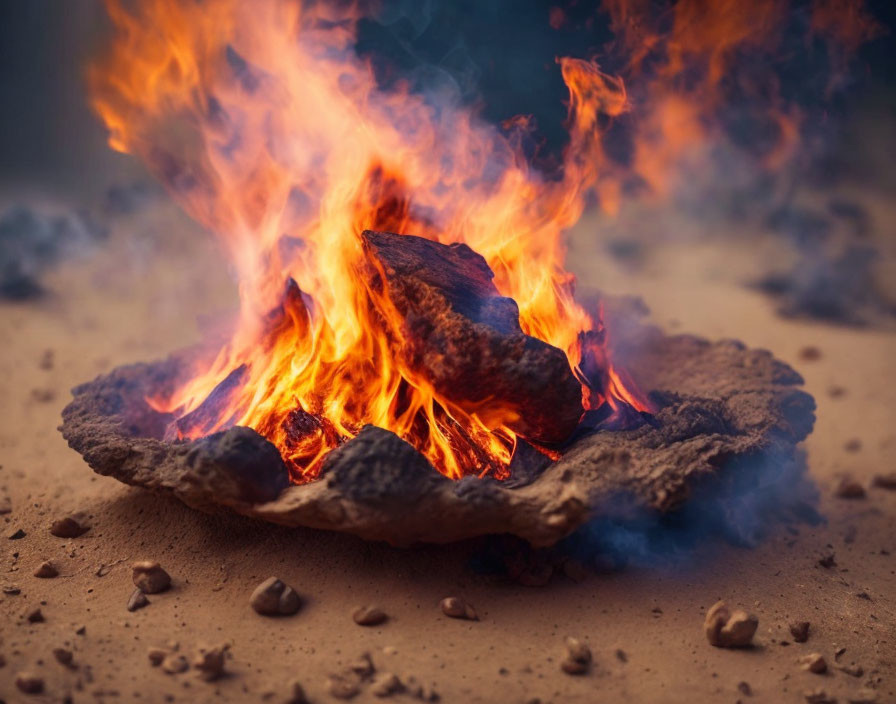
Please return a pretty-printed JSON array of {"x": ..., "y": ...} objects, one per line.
[
  {"x": 621, "y": 655},
  {"x": 138, "y": 600},
  {"x": 815, "y": 663},
  {"x": 29, "y": 683},
  {"x": 149, "y": 577},
  {"x": 849, "y": 488},
  {"x": 157, "y": 656},
  {"x": 885, "y": 481},
  {"x": 274, "y": 598},
  {"x": 810, "y": 353},
  {"x": 385, "y": 684},
  {"x": 34, "y": 615},
  {"x": 369, "y": 616},
  {"x": 210, "y": 662},
  {"x": 363, "y": 666},
  {"x": 800, "y": 631},
  {"x": 5, "y": 505},
  {"x": 17, "y": 534},
  {"x": 578, "y": 657},
  {"x": 819, "y": 696},
  {"x": 745, "y": 689},
  {"x": 46, "y": 570},
  {"x": 853, "y": 669},
  {"x": 81, "y": 630},
  {"x": 12, "y": 590},
  {"x": 827, "y": 560},
  {"x": 455, "y": 607},
  {"x": 344, "y": 685},
  {"x": 174, "y": 664},
  {"x": 729, "y": 629},
  {"x": 63, "y": 656},
  {"x": 73, "y": 526},
  {"x": 296, "y": 694}
]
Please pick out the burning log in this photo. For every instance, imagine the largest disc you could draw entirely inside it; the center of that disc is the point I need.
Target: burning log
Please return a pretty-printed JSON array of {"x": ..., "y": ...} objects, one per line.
[{"x": 465, "y": 339}]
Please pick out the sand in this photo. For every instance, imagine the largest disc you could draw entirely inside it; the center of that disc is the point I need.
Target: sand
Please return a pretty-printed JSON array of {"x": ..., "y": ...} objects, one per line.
[{"x": 135, "y": 299}]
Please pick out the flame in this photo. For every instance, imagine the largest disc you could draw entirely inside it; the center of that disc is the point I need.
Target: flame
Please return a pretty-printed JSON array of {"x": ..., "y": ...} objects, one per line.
[
  {"x": 268, "y": 128},
  {"x": 272, "y": 133}
]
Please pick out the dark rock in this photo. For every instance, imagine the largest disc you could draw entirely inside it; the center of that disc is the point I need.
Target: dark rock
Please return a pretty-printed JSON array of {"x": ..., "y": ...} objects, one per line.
[
  {"x": 814, "y": 663},
  {"x": 729, "y": 629},
  {"x": 800, "y": 631},
  {"x": 46, "y": 570},
  {"x": 455, "y": 607},
  {"x": 29, "y": 683},
  {"x": 73, "y": 526},
  {"x": 63, "y": 656},
  {"x": 17, "y": 534},
  {"x": 149, "y": 577},
  {"x": 137, "y": 600},
  {"x": 369, "y": 616},
  {"x": 885, "y": 481},
  {"x": 34, "y": 616},
  {"x": 274, "y": 598},
  {"x": 210, "y": 662}
]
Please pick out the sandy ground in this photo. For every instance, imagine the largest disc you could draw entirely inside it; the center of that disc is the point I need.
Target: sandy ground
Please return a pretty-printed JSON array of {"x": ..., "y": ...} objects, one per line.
[{"x": 140, "y": 296}]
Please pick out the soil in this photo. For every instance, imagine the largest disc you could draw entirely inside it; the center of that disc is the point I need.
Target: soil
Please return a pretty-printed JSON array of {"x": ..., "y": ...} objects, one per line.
[{"x": 140, "y": 297}]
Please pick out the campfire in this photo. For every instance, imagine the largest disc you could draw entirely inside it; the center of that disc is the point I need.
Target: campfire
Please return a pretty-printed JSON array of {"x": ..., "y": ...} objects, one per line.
[{"x": 409, "y": 361}]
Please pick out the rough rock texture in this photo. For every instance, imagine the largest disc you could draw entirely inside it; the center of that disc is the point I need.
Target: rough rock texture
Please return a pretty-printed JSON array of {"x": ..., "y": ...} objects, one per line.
[
  {"x": 726, "y": 415},
  {"x": 465, "y": 338}
]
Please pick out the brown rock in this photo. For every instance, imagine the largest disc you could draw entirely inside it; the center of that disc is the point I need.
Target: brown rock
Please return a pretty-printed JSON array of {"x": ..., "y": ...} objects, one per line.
[
  {"x": 727, "y": 629},
  {"x": 369, "y": 616},
  {"x": 210, "y": 662},
  {"x": 885, "y": 481},
  {"x": 17, "y": 534},
  {"x": 343, "y": 685},
  {"x": 810, "y": 353},
  {"x": 149, "y": 577},
  {"x": 138, "y": 600},
  {"x": 745, "y": 688},
  {"x": 853, "y": 670},
  {"x": 800, "y": 631},
  {"x": 73, "y": 526},
  {"x": 5, "y": 505},
  {"x": 827, "y": 560},
  {"x": 11, "y": 590},
  {"x": 578, "y": 651},
  {"x": 46, "y": 570},
  {"x": 815, "y": 663},
  {"x": 29, "y": 683},
  {"x": 174, "y": 664},
  {"x": 363, "y": 666},
  {"x": 156, "y": 656},
  {"x": 385, "y": 684},
  {"x": 455, "y": 607},
  {"x": 573, "y": 667},
  {"x": 274, "y": 598},
  {"x": 849, "y": 488},
  {"x": 34, "y": 615},
  {"x": 296, "y": 693},
  {"x": 63, "y": 656},
  {"x": 819, "y": 696}
]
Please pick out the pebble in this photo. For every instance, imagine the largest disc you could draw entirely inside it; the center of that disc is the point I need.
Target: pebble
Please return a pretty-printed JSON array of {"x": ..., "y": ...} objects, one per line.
[
  {"x": 274, "y": 598},
  {"x": 849, "y": 488},
  {"x": 156, "y": 656},
  {"x": 800, "y": 631},
  {"x": 29, "y": 683},
  {"x": 819, "y": 696},
  {"x": 369, "y": 616},
  {"x": 138, "y": 600},
  {"x": 46, "y": 570},
  {"x": 34, "y": 615},
  {"x": 810, "y": 353},
  {"x": 385, "y": 684},
  {"x": 885, "y": 481},
  {"x": 210, "y": 662},
  {"x": 174, "y": 664},
  {"x": 73, "y": 526},
  {"x": 852, "y": 669},
  {"x": 729, "y": 629},
  {"x": 11, "y": 590},
  {"x": 296, "y": 693},
  {"x": 455, "y": 607},
  {"x": 344, "y": 685},
  {"x": 827, "y": 560},
  {"x": 852, "y": 445},
  {"x": 745, "y": 688},
  {"x": 17, "y": 535},
  {"x": 5, "y": 505},
  {"x": 150, "y": 577},
  {"x": 363, "y": 666},
  {"x": 578, "y": 657},
  {"x": 63, "y": 656},
  {"x": 814, "y": 662}
]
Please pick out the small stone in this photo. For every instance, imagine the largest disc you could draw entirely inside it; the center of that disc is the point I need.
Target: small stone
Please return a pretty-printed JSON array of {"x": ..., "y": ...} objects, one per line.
[
  {"x": 745, "y": 689},
  {"x": 344, "y": 685},
  {"x": 455, "y": 607},
  {"x": 73, "y": 526},
  {"x": 43, "y": 395},
  {"x": 210, "y": 662},
  {"x": 296, "y": 693},
  {"x": 885, "y": 481},
  {"x": 63, "y": 656},
  {"x": 29, "y": 683},
  {"x": 5, "y": 505},
  {"x": 852, "y": 445},
  {"x": 385, "y": 684},
  {"x": 156, "y": 656},
  {"x": 11, "y": 590},
  {"x": 727, "y": 629},
  {"x": 827, "y": 560},
  {"x": 578, "y": 651},
  {"x": 81, "y": 630},
  {"x": 864, "y": 595},
  {"x": 138, "y": 600},
  {"x": 814, "y": 662},
  {"x": 46, "y": 570},
  {"x": 849, "y": 488},
  {"x": 149, "y": 577},
  {"x": 573, "y": 667},
  {"x": 274, "y": 598},
  {"x": 363, "y": 666},
  {"x": 621, "y": 656},
  {"x": 853, "y": 670},
  {"x": 17, "y": 534},
  {"x": 369, "y": 616},
  {"x": 818, "y": 696},
  {"x": 174, "y": 664},
  {"x": 810, "y": 353},
  {"x": 34, "y": 615},
  {"x": 863, "y": 696},
  {"x": 800, "y": 631}
]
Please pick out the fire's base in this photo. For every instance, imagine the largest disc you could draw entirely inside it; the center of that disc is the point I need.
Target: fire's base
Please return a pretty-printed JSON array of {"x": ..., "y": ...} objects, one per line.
[{"x": 725, "y": 412}]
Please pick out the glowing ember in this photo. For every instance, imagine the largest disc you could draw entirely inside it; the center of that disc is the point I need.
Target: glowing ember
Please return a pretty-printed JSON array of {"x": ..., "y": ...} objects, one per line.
[{"x": 268, "y": 128}]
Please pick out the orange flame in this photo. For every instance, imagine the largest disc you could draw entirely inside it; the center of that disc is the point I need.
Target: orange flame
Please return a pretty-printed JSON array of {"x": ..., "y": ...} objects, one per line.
[{"x": 271, "y": 132}]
